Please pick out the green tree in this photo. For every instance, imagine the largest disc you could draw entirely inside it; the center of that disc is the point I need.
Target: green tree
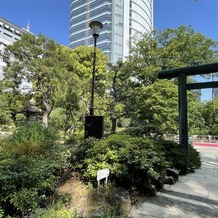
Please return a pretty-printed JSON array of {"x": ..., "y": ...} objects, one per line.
[
  {"x": 210, "y": 114},
  {"x": 158, "y": 106},
  {"x": 184, "y": 47},
  {"x": 143, "y": 64},
  {"x": 162, "y": 50},
  {"x": 83, "y": 62},
  {"x": 65, "y": 116},
  {"x": 5, "y": 114},
  {"x": 196, "y": 119},
  {"x": 45, "y": 67},
  {"x": 12, "y": 103},
  {"x": 117, "y": 93}
]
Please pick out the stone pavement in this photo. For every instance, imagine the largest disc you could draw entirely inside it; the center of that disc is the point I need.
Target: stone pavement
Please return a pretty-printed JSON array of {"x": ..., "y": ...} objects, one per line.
[{"x": 193, "y": 196}]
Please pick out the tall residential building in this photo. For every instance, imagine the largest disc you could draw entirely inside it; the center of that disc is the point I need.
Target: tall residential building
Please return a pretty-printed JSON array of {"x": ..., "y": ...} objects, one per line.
[
  {"x": 9, "y": 33},
  {"x": 121, "y": 20}
]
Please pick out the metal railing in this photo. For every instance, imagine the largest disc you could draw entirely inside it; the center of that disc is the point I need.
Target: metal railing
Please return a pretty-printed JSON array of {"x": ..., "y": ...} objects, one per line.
[{"x": 193, "y": 138}]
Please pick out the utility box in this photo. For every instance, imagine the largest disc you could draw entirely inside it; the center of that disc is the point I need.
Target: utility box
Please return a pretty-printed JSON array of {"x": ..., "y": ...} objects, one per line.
[{"x": 94, "y": 126}]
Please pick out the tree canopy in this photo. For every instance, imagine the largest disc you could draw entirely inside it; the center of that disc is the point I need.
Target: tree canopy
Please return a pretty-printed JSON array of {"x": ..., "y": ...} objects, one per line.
[
  {"x": 60, "y": 79},
  {"x": 152, "y": 101},
  {"x": 43, "y": 67}
]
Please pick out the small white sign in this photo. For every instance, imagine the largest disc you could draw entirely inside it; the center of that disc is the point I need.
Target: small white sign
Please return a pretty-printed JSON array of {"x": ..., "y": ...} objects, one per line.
[{"x": 101, "y": 174}]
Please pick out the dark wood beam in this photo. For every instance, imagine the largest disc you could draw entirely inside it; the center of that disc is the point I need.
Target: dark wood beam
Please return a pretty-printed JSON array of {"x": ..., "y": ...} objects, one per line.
[
  {"x": 188, "y": 71},
  {"x": 204, "y": 85}
]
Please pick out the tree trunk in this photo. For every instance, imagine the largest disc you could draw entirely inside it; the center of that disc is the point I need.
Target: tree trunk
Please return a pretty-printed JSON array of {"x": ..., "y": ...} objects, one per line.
[
  {"x": 45, "y": 118},
  {"x": 46, "y": 112},
  {"x": 114, "y": 125}
]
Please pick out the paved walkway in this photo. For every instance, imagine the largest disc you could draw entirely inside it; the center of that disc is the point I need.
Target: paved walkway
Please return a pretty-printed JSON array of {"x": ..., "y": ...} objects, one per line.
[{"x": 193, "y": 196}]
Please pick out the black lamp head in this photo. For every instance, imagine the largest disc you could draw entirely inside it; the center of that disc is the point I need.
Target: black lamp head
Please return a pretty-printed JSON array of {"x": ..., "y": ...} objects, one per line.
[{"x": 96, "y": 26}]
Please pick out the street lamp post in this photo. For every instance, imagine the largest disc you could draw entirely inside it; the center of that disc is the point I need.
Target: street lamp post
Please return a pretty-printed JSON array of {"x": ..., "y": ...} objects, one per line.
[
  {"x": 94, "y": 125},
  {"x": 96, "y": 26}
]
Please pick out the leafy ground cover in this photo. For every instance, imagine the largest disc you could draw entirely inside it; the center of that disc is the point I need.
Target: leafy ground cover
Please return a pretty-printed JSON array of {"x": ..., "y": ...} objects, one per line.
[
  {"x": 31, "y": 164},
  {"x": 134, "y": 162}
]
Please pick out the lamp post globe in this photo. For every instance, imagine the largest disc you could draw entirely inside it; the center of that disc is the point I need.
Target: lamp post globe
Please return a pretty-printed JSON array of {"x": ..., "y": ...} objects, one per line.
[{"x": 96, "y": 26}]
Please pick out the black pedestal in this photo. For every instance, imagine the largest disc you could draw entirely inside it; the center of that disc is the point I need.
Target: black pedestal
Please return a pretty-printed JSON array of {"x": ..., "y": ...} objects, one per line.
[{"x": 94, "y": 126}]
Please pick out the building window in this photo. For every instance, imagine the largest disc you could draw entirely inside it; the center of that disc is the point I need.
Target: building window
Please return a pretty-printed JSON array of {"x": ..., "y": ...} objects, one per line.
[{"x": 8, "y": 35}]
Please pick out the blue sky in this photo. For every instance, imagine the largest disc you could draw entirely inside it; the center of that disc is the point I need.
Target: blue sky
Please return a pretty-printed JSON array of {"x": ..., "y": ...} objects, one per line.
[
  {"x": 48, "y": 17},
  {"x": 52, "y": 17}
]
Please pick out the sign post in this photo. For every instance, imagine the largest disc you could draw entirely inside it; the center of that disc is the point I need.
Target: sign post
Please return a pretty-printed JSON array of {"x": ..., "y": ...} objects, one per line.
[{"x": 102, "y": 174}]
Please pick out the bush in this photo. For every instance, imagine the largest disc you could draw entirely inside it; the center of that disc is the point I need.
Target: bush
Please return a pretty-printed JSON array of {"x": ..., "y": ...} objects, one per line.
[
  {"x": 179, "y": 158},
  {"x": 25, "y": 200},
  {"x": 1, "y": 212},
  {"x": 133, "y": 162},
  {"x": 31, "y": 164},
  {"x": 30, "y": 139},
  {"x": 59, "y": 210}
]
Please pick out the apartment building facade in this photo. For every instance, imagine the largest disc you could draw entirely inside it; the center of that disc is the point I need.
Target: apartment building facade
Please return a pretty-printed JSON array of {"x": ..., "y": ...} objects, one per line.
[
  {"x": 121, "y": 19},
  {"x": 9, "y": 33}
]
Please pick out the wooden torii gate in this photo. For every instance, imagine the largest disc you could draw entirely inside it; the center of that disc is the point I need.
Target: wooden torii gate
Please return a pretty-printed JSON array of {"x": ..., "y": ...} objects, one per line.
[{"x": 181, "y": 74}]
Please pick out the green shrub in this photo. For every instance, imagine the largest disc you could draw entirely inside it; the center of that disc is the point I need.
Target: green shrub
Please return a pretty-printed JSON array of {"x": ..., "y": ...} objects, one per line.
[
  {"x": 31, "y": 164},
  {"x": 30, "y": 139},
  {"x": 179, "y": 158},
  {"x": 58, "y": 118},
  {"x": 76, "y": 138},
  {"x": 25, "y": 200},
  {"x": 1, "y": 212},
  {"x": 59, "y": 210},
  {"x": 194, "y": 161},
  {"x": 133, "y": 162}
]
